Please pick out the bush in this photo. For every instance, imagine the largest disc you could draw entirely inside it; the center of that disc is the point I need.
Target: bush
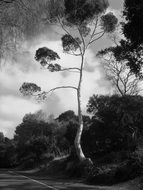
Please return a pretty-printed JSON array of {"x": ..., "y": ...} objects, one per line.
[
  {"x": 129, "y": 169},
  {"x": 28, "y": 162}
]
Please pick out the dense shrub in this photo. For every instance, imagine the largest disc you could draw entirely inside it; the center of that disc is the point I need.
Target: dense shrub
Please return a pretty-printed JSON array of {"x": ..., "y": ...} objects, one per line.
[
  {"x": 111, "y": 174},
  {"x": 116, "y": 124},
  {"x": 7, "y": 154}
]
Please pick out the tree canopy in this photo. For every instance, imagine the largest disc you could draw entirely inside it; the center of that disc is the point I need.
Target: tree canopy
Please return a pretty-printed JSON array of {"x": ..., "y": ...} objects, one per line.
[
  {"x": 118, "y": 72},
  {"x": 134, "y": 20},
  {"x": 131, "y": 48}
]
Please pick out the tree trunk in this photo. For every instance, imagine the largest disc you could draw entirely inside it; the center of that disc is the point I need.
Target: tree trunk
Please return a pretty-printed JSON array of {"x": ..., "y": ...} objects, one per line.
[{"x": 77, "y": 141}]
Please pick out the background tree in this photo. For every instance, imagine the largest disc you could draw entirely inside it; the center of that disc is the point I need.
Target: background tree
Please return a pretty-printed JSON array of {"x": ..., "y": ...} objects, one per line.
[
  {"x": 116, "y": 123},
  {"x": 134, "y": 20},
  {"x": 1, "y": 137},
  {"x": 84, "y": 22},
  {"x": 118, "y": 73},
  {"x": 131, "y": 46},
  {"x": 19, "y": 21},
  {"x": 7, "y": 152}
]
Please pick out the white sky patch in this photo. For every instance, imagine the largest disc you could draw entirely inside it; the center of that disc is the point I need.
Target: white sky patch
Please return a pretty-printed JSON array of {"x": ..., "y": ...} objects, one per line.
[{"x": 16, "y": 107}]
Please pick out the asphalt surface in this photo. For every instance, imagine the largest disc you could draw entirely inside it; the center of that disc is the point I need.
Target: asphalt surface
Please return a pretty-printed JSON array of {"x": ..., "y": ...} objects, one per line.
[{"x": 11, "y": 180}]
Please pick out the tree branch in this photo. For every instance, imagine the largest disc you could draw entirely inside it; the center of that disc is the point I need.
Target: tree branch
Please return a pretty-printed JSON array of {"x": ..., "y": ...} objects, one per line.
[
  {"x": 61, "y": 87},
  {"x": 92, "y": 35},
  {"x": 68, "y": 69},
  {"x": 74, "y": 54},
  {"x": 97, "y": 38},
  {"x": 98, "y": 33},
  {"x": 83, "y": 41},
  {"x": 67, "y": 32}
]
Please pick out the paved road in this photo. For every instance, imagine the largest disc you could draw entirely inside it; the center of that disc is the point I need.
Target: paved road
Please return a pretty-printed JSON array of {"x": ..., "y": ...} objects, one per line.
[{"x": 12, "y": 181}]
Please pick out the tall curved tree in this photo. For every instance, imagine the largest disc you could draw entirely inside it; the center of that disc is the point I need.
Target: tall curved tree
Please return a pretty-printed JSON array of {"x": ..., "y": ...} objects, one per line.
[{"x": 83, "y": 22}]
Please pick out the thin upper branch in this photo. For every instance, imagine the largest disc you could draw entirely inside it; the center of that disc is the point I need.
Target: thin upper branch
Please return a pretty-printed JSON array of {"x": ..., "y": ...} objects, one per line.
[
  {"x": 74, "y": 54},
  {"x": 72, "y": 68},
  {"x": 83, "y": 41},
  {"x": 97, "y": 38},
  {"x": 98, "y": 33},
  {"x": 93, "y": 32}
]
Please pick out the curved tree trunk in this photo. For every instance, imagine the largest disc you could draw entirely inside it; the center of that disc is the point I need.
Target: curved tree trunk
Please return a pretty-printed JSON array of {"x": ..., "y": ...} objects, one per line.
[{"x": 77, "y": 141}]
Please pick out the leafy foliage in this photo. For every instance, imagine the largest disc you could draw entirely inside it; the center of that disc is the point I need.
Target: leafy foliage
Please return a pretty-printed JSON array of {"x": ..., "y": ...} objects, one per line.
[
  {"x": 19, "y": 21},
  {"x": 32, "y": 126},
  {"x": 54, "y": 67},
  {"x": 131, "y": 54},
  {"x": 1, "y": 137},
  {"x": 109, "y": 175},
  {"x": 69, "y": 43},
  {"x": 84, "y": 30},
  {"x": 29, "y": 88},
  {"x": 118, "y": 72},
  {"x": 38, "y": 145},
  {"x": 82, "y": 11},
  {"x": 109, "y": 22},
  {"x": 134, "y": 20},
  {"x": 56, "y": 10},
  {"x": 7, "y": 153},
  {"x": 116, "y": 123},
  {"x": 131, "y": 48},
  {"x": 46, "y": 54}
]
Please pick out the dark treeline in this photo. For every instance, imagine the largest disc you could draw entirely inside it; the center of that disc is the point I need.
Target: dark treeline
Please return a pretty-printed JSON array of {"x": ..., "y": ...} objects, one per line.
[{"x": 112, "y": 134}]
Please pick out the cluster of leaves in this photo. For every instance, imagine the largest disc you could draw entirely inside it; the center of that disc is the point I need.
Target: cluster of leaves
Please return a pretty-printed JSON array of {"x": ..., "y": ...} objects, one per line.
[
  {"x": 116, "y": 123},
  {"x": 38, "y": 145},
  {"x": 69, "y": 43},
  {"x": 7, "y": 153},
  {"x": 29, "y": 89},
  {"x": 84, "y": 30},
  {"x": 109, "y": 22},
  {"x": 83, "y": 11},
  {"x": 54, "y": 67},
  {"x": 130, "y": 54},
  {"x": 134, "y": 20},
  {"x": 130, "y": 49},
  {"x": 46, "y": 54}
]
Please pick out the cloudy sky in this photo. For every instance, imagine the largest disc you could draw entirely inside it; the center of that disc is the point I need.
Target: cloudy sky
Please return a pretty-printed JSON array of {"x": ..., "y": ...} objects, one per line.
[{"x": 13, "y": 106}]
